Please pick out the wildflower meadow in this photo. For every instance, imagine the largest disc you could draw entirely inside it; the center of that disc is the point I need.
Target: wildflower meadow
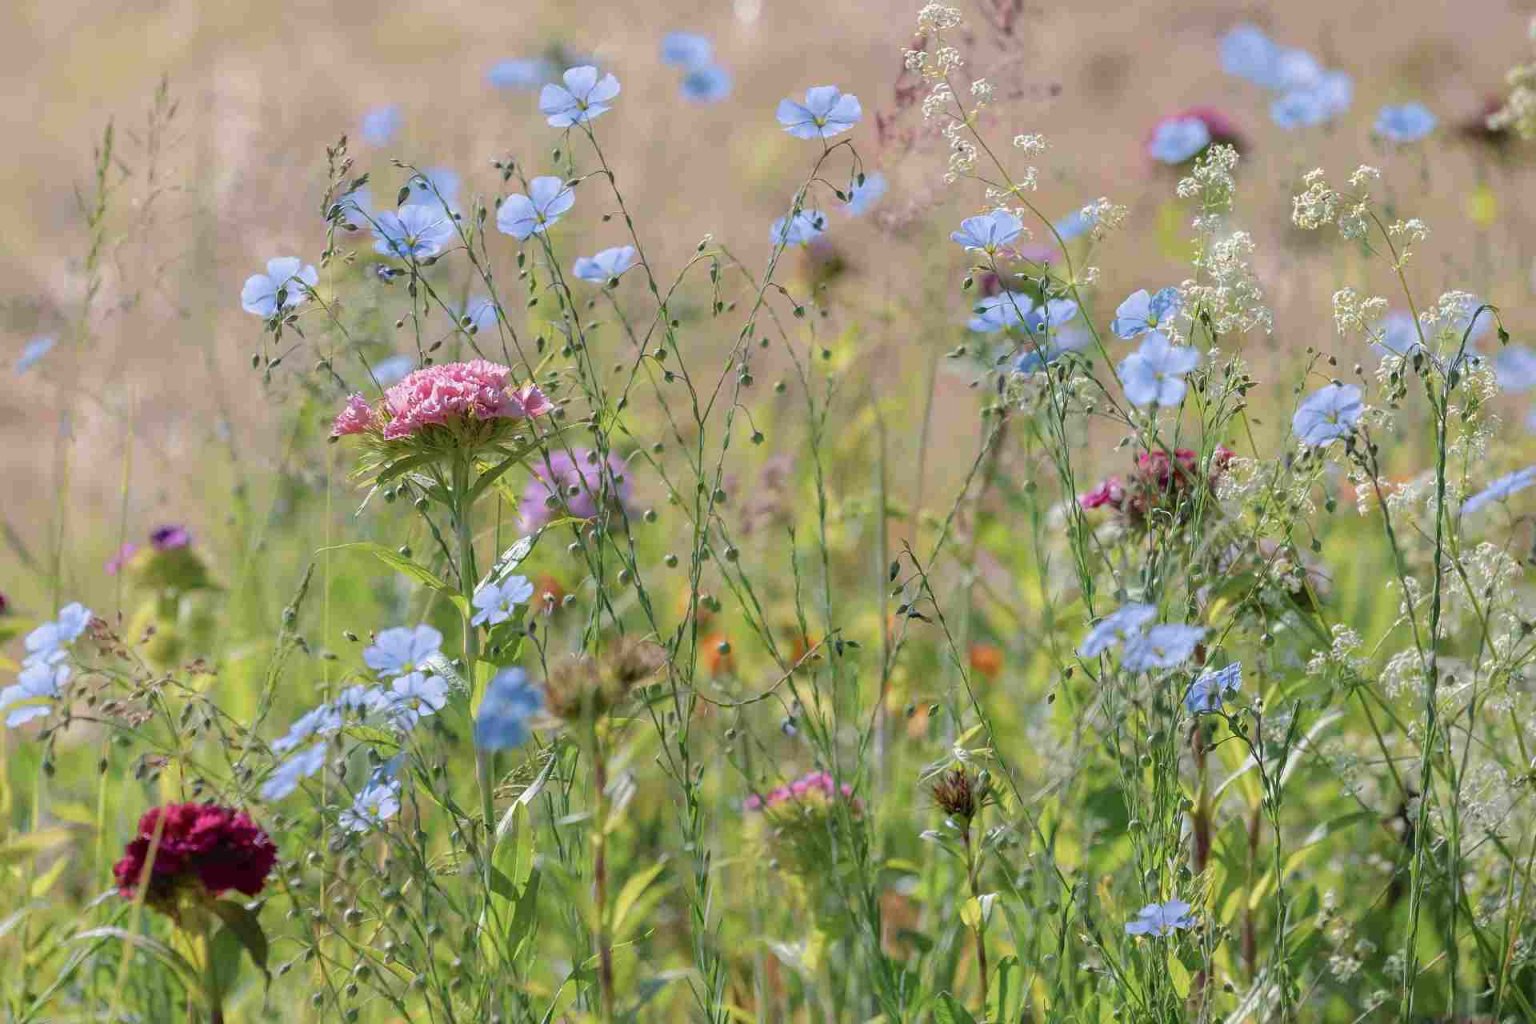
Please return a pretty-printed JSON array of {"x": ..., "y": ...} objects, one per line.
[{"x": 743, "y": 539}]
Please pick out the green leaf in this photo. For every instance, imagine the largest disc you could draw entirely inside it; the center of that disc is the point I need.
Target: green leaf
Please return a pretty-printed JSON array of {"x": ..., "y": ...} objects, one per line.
[
  {"x": 174, "y": 961},
  {"x": 948, "y": 1011},
  {"x": 510, "y": 559},
  {"x": 1009, "y": 975},
  {"x": 242, "y": 923},
  {"x": 398, "y": 562},
  {"x": 631, "y": 893}
]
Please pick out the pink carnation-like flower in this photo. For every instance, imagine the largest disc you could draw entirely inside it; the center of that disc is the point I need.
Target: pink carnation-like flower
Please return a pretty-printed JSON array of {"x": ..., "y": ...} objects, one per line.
[
  {"x": 1109, "y": 492},
  {"x": 356, "y": 418},
  {"x": 818, "y": 786},
  {"x": 436, "y": 395},
  {"x": 577, "y": 479}
]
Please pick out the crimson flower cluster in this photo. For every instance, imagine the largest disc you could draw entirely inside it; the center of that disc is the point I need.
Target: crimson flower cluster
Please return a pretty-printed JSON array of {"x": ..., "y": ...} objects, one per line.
[
  {"x": 1159, "y": 483},
  {"x": 203, "y": 850}
]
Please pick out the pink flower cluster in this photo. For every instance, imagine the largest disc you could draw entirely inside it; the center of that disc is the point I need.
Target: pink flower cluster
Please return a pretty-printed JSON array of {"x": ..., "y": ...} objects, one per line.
[
  {"x": 814, "y": 786},
  {"x": 441, "y": 395},
  {"x": 1158, "y": 482}
]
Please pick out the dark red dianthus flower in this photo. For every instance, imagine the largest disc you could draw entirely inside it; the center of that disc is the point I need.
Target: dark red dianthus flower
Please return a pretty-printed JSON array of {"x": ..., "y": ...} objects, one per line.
[{"x": 217, "y": 848}]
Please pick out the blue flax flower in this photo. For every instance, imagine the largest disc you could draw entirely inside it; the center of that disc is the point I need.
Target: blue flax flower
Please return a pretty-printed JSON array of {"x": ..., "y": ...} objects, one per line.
[
  {"x": 1001, "y": 311},
  {"x": 1119, "y": 625},
  {"x": 414, "y": 232},
  {"x": 1397, "y": 335},
  {"x": 1211, "y": 689},
  {"x": 988, "y": 232},
  {"x": 865, "y": 194},
  {"x": 323, "y": 722},
  {"x": 1328, "y": 414},
  {"x": 520, "y": 73},
  {"x": 1051, "y": 316},
  {"x": 33, "y": 693},
  {"x": 1504, "y": 487},
  {"x": 1075, "y": 224},
  {"x": 1161, "y": 919},
  {"x": 510, "y": 700},
  {"x": 606, "y": 265},
  {"x": 50, "y": 642},
  {"x": 380, "y": 125},
  {"x": 374, "y": 804},
  {"x": 414, "y": 697},
  {"x": 1161, "y": 647},
  {"x": 391, "y": 371},
  {"x": 1515, "y": 367},
  {"x": 686, "y": 50},
  {"x": 1406, "y": 122},
  {"x": 1142, "y": 312},
  {"x": 1177, "y": 139},
  {"x": 827, "y": 111},
  {"x": 33, "y": 352},
  {"x": 708, "y": 83},
  {"x": 523, "y": 216},
  {"x": 583, "y": 97},
  {"x": 293, "y": 771},
  {"x": 1154, "y": 373},
  {"x": 401, "y": 651},
  {"x": 287, "y": 274},
  {"x": 799, "y": 229},
  {"x": 496, "y": 603},
  {"x": 1247, "y": 53}
]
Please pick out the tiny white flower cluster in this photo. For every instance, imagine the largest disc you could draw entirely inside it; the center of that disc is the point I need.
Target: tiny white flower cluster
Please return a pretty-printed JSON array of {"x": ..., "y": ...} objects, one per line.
[
  {"x": 982, "y": 92},
  {"x": 1228, "y": 292},
  {"x": 1342, "y": 655},
  {"x": 1105, "y": 216},
  {"x": 962, "y": 152},
  {"x": 1030, "y": 145},
  {"x": 937, "y": 18},
  {"x": 1518, "y": 114},
  {"x": 1318, "y": 205},
  {"x": 1353, "y": 312},
  {"x": 1211, "y": 182}
]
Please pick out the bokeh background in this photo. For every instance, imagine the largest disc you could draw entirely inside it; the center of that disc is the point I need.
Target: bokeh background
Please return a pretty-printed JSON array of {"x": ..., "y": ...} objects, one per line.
[{"x": 159, "y": 373}]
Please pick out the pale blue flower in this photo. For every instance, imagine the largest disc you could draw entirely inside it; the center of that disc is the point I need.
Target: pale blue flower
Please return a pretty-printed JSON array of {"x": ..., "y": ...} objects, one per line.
[
  {"x": 1515, "y": 367},
  {"x": 436, "y": 187},
  {"x": 1047, "y": 318},
  {"x": 1043, "y": 352},
  {"x": 415, "y": 231},
  {"x": 1161, "y": 919},
  {"x": 1119, "y": 625},
  {"x": 583, "y": 97},
  {"x": 520, "y": 73},
  {"x": 293, "y": 771},
  {"x": 606, "y": 265},
  {"x": 287, "y": 274},
  {"x": 827, "y": 111},
  {"x": 1001, "y": 311},
  {"x": 1504, "y": 487},
  {"x": 1247, "y": 53},
  {"x": 510, "y": 700},
  {"x": 1154, "y": 373},
  {"x": 1406, "y": 122},
  {"x": 363, "y": 700},
  {"x": 391, "y": 371},
  {"x": 523, "y": 216},
  {"x": 1295, "y": 68},
  {"x": 1210, "y": 690},
  {"x": 865, "y": 194},
  {"x": 33, "y": 693},
  {"x": 401, "y": 651},
  {"x": 1161, "y": 647},
  {"x": 988, "y": 232},
  {"x": 708, "y": 83},
  {"x": 686, "y": 50},
  {"x": 416, "y": 696},
  {"x": 380, "y": 125},
  {"x": 1075, "y": 224},
  {"x": 50, "y": 642},
  {"x": 1324, "y": 99},
  {"x": 1397, "y": 335},
  {"x": 496, "y": 603},
  {"x": 374, "y": 804},
  {"x": 1142, "y": 312},
  {"x": 33, "y": 352},
  {"x": 1177, "y": 139},
  {"x": 323, "y": 722},
  {"x": 799, "y": 229},
  {"x": 1329, "y": 413}
]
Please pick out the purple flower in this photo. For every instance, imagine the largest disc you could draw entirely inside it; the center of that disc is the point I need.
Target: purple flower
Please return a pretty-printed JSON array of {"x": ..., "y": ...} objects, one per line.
[
  {"x": 574, "y": 483},
  {"x": 170, "y": 537}
]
